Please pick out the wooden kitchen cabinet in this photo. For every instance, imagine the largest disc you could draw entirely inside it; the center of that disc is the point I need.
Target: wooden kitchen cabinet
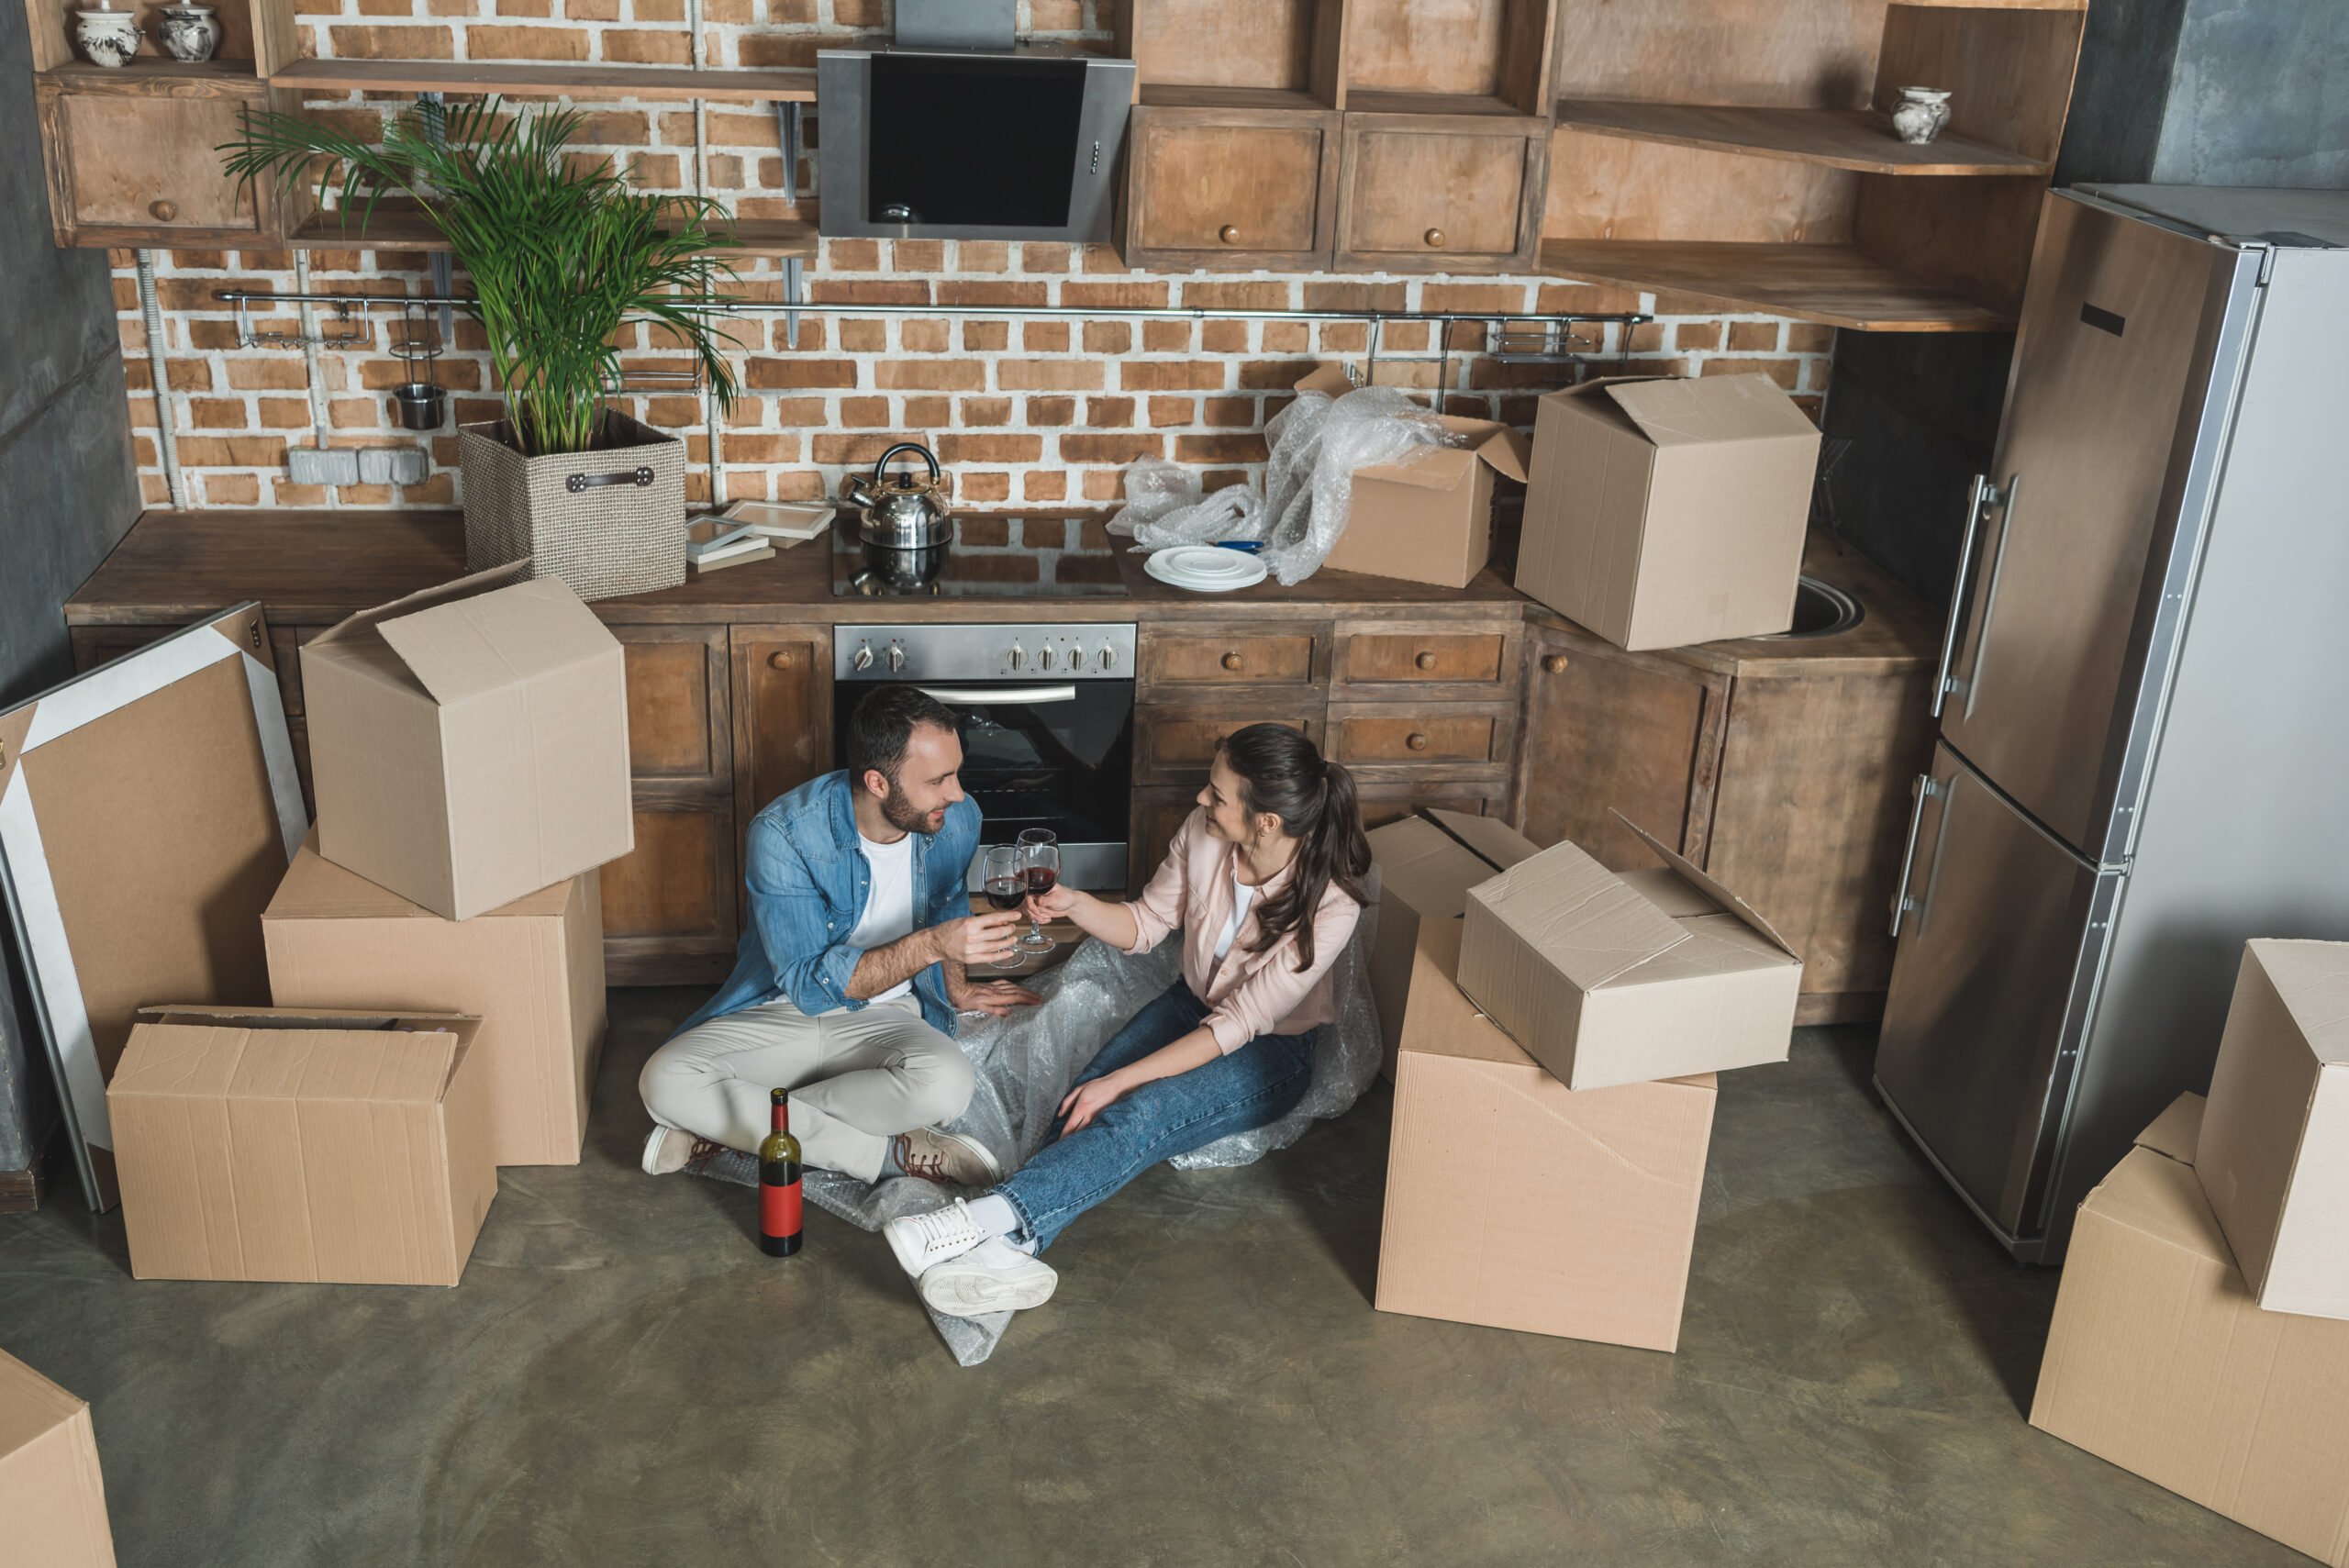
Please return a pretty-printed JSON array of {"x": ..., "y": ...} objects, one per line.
[
  {"x": 783, "y": 718},
  {"x": 1440, "y": 193},
  {"x": 671, "y": 908},
  {"x": 1230, "y": 188}
]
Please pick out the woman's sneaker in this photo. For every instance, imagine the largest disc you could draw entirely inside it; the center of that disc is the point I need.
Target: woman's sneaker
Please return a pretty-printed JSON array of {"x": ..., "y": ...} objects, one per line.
[
  {"x": 994, "y": 1276},
  {"x": 924, "y": 1240}
]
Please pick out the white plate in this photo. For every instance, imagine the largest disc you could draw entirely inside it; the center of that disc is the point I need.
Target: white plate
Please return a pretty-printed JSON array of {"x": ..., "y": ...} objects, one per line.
[{"x": 1205, "y": 568}]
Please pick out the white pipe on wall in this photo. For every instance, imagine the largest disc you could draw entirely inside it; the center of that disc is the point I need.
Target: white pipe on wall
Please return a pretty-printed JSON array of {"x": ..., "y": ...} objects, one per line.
[
  {"x": 701, "y": 188},
  {"x": 313, "y": 380},
  {"x": 166, "y": 437}
]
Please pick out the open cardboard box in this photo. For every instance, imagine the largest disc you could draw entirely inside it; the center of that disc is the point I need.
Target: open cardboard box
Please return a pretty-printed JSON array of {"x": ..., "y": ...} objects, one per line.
[
  {"x": 52, "y": 1498},
  {"x": 1427, "y": 863},
  {"x": 1609, "y": 979},
  {"x": 1429, "y": 519}
]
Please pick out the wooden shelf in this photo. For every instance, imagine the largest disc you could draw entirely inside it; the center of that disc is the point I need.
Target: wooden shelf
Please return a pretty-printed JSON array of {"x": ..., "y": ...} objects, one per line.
[
  {"x": 1860, "y": 140},
  {"x": 1175, "y": 95},
  {"x": 1372, "y": 101},
  {"x": 1836, "y": 284},
  {"x": 160, "y": 78},
  {"x": 403, "y": 228},
  {"x": 590, "y": 81}
]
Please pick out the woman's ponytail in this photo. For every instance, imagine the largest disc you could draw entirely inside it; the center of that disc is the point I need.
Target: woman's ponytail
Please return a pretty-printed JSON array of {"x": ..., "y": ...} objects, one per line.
[{"x": 1281, "y": 773}]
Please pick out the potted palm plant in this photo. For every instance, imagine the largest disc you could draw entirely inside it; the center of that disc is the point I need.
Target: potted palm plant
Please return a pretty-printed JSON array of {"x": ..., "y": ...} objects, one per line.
[{"x": 562, "y": 254}]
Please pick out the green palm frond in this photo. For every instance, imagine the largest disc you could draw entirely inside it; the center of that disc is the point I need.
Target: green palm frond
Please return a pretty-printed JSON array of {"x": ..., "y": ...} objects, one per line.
[{"x": 562, "y": 253}]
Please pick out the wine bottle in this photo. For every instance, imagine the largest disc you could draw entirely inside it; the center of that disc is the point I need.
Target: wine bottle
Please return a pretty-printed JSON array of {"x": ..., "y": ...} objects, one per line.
[{"x": 779, "y": 1184}]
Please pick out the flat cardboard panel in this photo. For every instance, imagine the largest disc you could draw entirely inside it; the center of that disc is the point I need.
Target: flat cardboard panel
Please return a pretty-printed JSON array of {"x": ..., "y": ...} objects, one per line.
[
  {"x": 2160, "y": 1361},
  {"x": 277, "y": 1144},
  {"x": 1666, "y": 512},
  {"x": 2275, "y": 1156},
  {"x": 1604, "y": 1253},
  {"x": 1426, "y": 866},
  {"x": 494, "y": 766},
  {"x": 52, "y": 1498},
  {"x": 533, "y": 971}
]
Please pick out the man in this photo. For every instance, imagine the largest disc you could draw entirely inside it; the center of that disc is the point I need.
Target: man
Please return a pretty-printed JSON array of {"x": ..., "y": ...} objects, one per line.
[{"x": 851, "y": 971}]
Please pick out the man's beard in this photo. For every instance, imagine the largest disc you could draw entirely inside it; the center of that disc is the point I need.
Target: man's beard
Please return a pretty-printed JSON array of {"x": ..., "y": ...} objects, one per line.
[{"x": 900, "y": 814}]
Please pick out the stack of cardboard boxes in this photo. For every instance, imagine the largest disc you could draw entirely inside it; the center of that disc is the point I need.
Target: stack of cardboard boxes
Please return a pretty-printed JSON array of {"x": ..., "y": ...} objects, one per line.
[
  {"x": 435, "y": 959},
  {"x": 1553, "y": 1031},
  {"x": 2201, "y": 1334}
]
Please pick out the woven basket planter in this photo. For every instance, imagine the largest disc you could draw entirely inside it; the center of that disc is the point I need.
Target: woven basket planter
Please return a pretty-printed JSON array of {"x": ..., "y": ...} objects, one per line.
[{"x": 609, "y": 521}]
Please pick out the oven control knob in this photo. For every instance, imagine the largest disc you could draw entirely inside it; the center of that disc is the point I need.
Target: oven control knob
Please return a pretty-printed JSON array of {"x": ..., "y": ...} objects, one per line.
[
  {"x": 897, "y": 657},
  {"x": 1018, "y": 656},
  {"x": 1108, "y": 656},
  {"x": 864, "y": 660},
  {"x": 1043, "y": 658}
]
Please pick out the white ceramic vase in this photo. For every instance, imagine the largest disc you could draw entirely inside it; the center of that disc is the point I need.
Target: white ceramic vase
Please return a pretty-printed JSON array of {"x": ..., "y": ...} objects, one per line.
[
  {"x": 190, "y": 33},
  {"x": 107, "y": 37},
  {"x": 1919, "y": 115}
]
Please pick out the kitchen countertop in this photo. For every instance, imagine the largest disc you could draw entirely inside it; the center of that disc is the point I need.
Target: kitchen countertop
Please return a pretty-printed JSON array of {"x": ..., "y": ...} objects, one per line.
[{"x": 314, "y": 567}]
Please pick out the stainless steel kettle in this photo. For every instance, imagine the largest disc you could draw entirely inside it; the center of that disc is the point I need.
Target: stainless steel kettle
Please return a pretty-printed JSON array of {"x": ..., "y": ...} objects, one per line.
[{"x": 899, "y": 513}]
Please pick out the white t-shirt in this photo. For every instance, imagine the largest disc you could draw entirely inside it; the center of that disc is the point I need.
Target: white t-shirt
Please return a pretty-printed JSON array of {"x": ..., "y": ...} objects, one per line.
[
  {"x": 1242, "y": 896},
  {"x": 890, "y": 903}
]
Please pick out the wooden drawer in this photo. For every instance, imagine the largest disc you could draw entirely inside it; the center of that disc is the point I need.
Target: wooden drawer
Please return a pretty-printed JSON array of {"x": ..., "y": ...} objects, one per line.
[
  {"x": 1440, "y": 193},
  {"x": 1178, "y": 745},
  {"x": 1250, "y": 657},
  {"x": 1230, "y": 189},
  {"x": 1416, "y": 738},
  {"x": 1441, "y": 656}
]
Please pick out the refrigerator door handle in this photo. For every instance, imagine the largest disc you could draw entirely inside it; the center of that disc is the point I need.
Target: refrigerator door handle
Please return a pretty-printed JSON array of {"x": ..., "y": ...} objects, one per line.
[
  {"x": 1925, "y": 789},
  {"x": 2004, "y": 500},
  {"x": 1961, "y": 589}
]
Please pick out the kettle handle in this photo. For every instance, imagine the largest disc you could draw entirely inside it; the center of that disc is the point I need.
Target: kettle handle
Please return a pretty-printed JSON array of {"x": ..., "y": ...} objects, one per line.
[{"x": 906, "y": 447}]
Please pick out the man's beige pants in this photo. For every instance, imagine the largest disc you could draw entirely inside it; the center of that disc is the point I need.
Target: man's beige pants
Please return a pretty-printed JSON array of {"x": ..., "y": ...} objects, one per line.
[{"x": 857, "y": 1079}]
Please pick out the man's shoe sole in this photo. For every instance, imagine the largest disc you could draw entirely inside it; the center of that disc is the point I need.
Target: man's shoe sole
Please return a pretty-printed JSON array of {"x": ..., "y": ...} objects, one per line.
[{"x": 974, "y": 1292}]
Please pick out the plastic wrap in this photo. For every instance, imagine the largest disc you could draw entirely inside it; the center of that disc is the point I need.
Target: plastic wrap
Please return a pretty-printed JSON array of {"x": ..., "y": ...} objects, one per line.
[
  {"x": 1026, "y": 1063},
  {"x": 1317, "y": 442}
]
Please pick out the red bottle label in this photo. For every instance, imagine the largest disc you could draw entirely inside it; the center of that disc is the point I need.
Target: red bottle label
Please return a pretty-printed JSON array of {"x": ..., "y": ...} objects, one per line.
[{"x": 779, "y": 1210}]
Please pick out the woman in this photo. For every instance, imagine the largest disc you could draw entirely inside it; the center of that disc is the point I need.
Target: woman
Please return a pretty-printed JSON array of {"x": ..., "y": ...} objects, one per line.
[{"x": 1263, "y": 878}]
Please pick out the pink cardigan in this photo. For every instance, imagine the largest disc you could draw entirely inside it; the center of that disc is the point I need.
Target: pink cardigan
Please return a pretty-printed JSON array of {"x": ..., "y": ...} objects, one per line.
[{"x": 1252, "y": 992}]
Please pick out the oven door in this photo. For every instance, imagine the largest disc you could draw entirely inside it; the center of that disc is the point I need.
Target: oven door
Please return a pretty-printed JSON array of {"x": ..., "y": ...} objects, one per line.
[{"x": 1038, "y": 754}]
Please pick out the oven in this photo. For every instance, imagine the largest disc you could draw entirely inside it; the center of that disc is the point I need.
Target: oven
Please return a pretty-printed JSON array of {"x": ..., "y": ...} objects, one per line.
[{"x": 1046, "y": 715}]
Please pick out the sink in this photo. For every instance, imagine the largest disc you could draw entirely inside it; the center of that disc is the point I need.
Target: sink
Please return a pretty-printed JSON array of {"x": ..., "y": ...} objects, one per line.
[{"x": 1821, "y": 609}]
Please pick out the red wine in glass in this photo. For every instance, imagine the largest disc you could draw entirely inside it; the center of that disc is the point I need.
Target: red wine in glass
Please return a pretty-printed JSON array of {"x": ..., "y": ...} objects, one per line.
[
  {"x": 1005, "y": 884},
  {"x": 1005, "y": 892},
  {"x": 1041, "y": 878},
  {"x": 1040, "y": 862}
]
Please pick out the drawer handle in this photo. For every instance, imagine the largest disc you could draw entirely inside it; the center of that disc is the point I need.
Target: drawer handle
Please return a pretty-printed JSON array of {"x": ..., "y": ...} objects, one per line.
[
  {"x": 1229, "y": 234},
  {"x": 1232, "y": 661},
  {"x": 1555, "y": 663},
  {"x": 1417, "y": 742},
  {"x": 164, "y": 212},
  {"x": 1435, "y": 238},
  {"x": 778, "y": 660},
  {"x": 1425, "y": 660}
]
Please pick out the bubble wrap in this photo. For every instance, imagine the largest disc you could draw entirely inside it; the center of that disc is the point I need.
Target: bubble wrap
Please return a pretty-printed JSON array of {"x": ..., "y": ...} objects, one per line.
[
  {"x": 1318, "y": 442},
  {"x": 1025, "y": 1064}
]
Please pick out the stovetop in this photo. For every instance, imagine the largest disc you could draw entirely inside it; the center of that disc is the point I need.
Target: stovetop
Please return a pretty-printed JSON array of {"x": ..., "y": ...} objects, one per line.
[{"x": 998, "y": 557}]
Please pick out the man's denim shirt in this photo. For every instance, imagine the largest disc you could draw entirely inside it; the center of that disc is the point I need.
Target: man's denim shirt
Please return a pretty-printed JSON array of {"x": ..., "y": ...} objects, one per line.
[{"x": 808, "y": 884}]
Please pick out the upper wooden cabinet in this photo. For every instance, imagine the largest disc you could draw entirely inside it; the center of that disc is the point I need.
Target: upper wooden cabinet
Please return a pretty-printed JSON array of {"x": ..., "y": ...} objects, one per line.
[{"x": 1351, "y": 134}]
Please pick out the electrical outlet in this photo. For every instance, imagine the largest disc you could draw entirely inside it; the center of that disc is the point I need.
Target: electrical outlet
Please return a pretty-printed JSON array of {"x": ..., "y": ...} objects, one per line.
[
  {"x": 391, "y": 465},
  {"x": 323, "y": 465}
]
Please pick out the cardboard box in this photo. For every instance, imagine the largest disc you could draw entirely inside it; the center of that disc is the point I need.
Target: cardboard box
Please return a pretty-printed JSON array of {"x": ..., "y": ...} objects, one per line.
[
  {"x": 2275, "y": 1154},
  {"x": 1430, "y": 519},
  {"x": 283, "y": 1143},
  {"x": 1427, "y": 863},
  {"x": 52, "y": 1499},
  {"x": 532, "y": 972},
  {"x": 1662, "y": 513},
  {"x": 469, "y": 744},
  {"x": 2160, "y": 1361},
  {"x": 1515, "y": 1202},
  {"x": 1609, "y": 979}
]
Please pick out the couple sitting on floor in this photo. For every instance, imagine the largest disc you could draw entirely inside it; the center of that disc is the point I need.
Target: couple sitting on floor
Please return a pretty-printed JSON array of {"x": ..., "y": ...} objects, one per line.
[{"x": 857, "y": 960}]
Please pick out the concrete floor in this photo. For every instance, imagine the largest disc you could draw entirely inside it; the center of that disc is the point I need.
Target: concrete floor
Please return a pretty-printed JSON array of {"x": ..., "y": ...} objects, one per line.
[{"x": 623, "y": 1378}]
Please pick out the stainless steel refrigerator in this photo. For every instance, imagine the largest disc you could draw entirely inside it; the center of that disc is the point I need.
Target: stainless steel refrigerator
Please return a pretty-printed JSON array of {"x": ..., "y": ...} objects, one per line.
[{"x": 2144, "y": 756}]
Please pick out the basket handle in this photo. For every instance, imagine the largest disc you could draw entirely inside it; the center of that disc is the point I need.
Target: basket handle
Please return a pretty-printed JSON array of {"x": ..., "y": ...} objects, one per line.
[{"x": 639, "y": 477}]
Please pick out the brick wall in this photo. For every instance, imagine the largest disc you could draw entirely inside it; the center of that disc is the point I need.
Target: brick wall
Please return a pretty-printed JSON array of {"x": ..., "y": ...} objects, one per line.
[{"x": 1017, "y": 411}]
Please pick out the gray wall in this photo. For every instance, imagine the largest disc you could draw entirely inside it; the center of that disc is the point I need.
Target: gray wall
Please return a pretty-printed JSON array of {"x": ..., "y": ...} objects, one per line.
[{"x": 67, "y": 488}]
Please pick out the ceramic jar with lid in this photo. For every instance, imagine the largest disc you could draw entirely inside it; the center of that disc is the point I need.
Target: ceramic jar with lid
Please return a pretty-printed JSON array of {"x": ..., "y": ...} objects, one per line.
[
  {"x": 1919, "y": 115},
  {"x": 107, "y": 37},
  {"x": 190, "y": 33}
]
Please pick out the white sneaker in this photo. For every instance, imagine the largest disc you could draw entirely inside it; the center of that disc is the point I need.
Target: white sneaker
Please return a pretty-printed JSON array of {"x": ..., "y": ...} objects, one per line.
[
  {"x": 672, "y": 1149},
  {"x": 994, "y": 1276},
  {"x": 949, "y": 1159},
  {"x": 923, "y": 1240}
]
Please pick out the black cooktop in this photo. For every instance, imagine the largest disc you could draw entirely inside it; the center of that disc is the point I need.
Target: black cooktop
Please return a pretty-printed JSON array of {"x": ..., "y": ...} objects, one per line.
[{"x": 993, "y": 557}]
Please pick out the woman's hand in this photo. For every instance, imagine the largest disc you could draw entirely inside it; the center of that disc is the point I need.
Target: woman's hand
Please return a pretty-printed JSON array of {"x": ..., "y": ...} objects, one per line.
[
  {"x": 1088, "y": 1100},
  {"x": 1056, "y": 903}
]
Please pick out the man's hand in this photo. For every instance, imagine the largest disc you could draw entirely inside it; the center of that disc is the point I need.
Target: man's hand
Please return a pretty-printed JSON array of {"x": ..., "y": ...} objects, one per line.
[
  {"x": 976, "y": 938},
  {"x": 994, "y": 997},
  {"x": 1090, "y": 1099}
]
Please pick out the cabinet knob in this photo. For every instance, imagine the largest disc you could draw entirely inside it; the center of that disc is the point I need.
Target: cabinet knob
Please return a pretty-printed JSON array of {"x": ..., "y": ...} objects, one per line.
[
  {"x": 1232, "y": 661},
  {"x": 1555, "y": 663},
  {"x": 778, "y": 660},
  {"x": 1434, "y": 238},
  {"x": 1229, "y": 234},
  {"x": 164, "y": 212},
  {"x": 1417, "y": 742},
  {"x": 1425, "y": 660}
]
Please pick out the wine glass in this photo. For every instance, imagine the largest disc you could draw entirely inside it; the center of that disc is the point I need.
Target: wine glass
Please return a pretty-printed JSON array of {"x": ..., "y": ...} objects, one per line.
[
  {"x": 1003, "y": 878},
  {"x": 1040, "y": 862}
]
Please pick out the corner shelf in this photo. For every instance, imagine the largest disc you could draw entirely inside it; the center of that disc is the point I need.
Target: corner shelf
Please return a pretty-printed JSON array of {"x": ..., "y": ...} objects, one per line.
[
  {"x": 1838, "y": 285},
  {"x": 1377, "y": 101},
  {"x": 591, "y": 82},
  {"x": 401, "y": 228},
  {"x": 1859, "y": 139}
]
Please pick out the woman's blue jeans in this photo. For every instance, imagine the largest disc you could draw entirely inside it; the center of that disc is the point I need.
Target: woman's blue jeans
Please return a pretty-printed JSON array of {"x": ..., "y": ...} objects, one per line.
[{"x": 1251, "y": 1087}]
